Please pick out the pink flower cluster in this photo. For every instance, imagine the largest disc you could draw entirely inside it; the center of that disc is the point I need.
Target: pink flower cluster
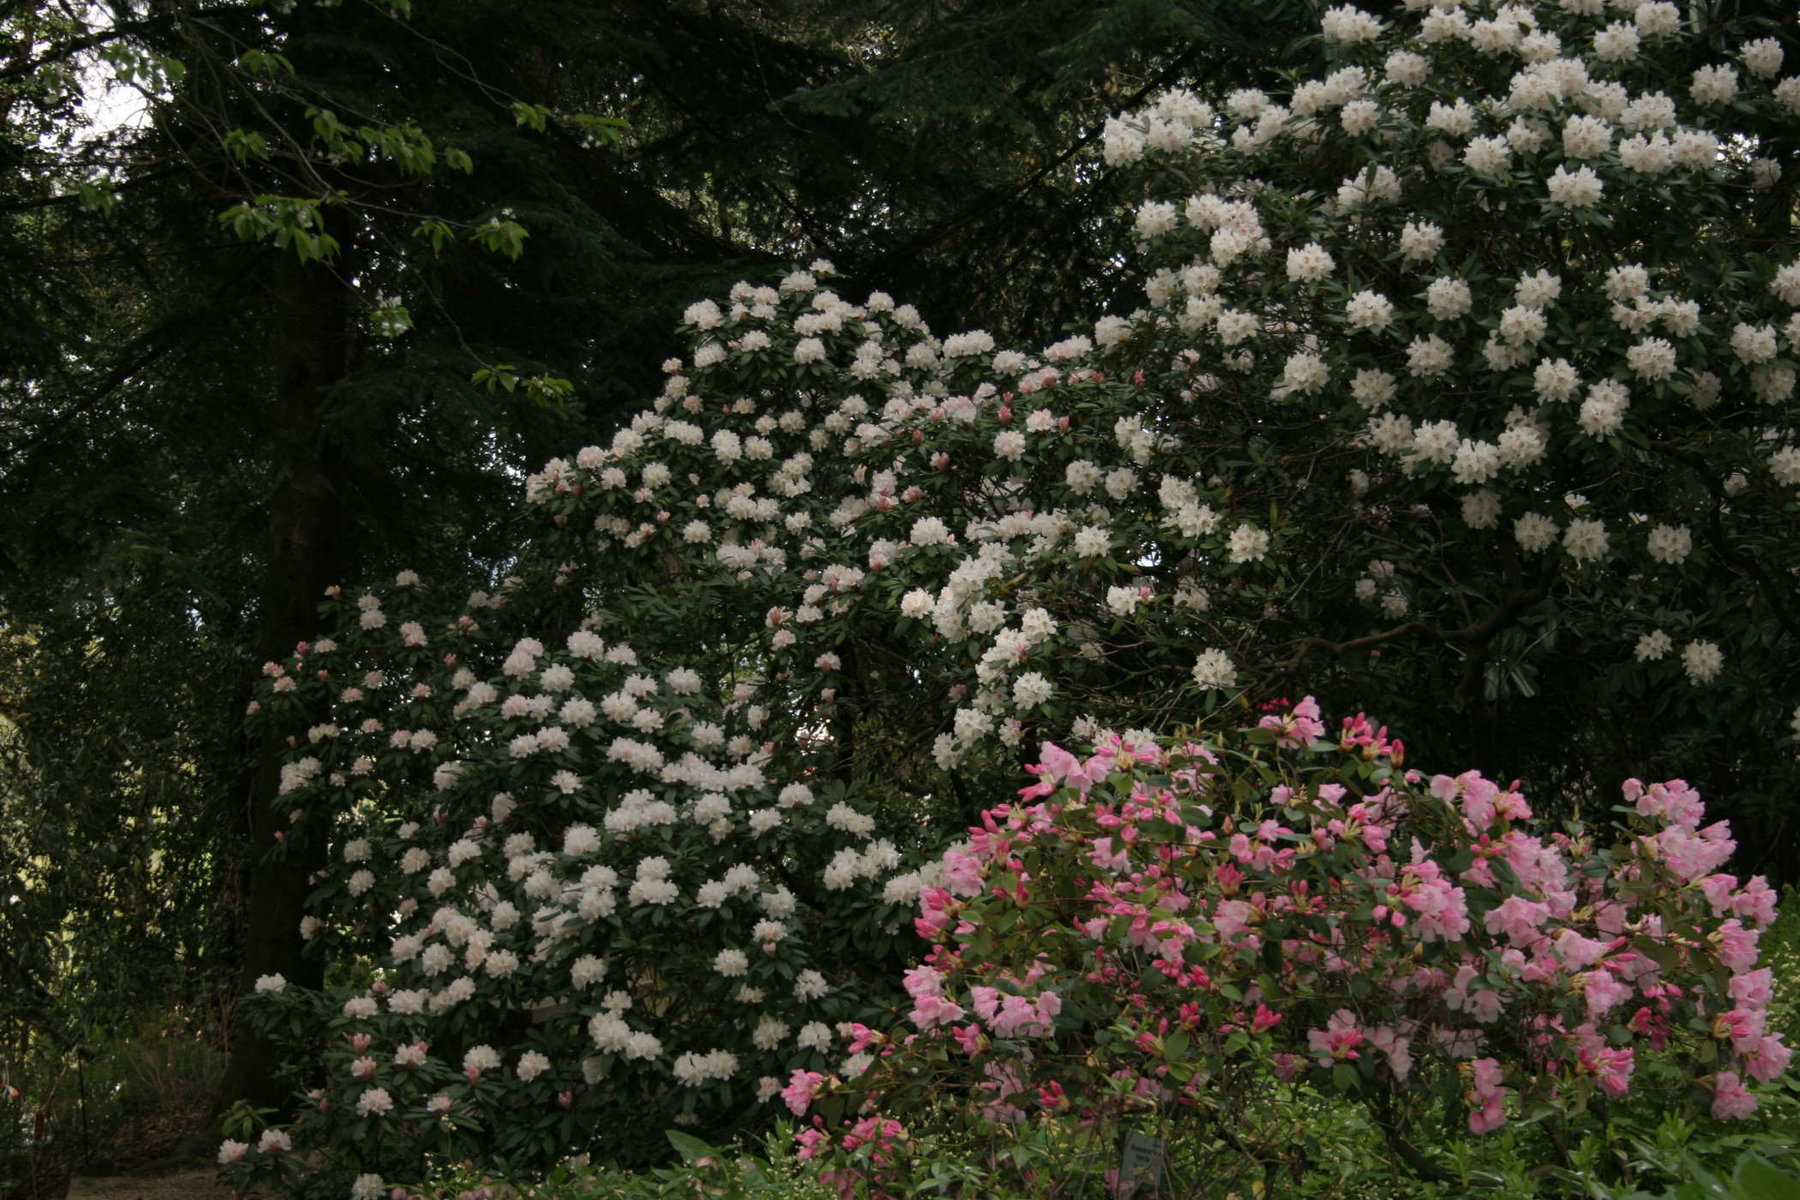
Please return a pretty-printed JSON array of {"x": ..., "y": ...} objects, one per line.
[
  {"x": 1222, "y": 920},
  {"x": 1486, "y": 1099}
]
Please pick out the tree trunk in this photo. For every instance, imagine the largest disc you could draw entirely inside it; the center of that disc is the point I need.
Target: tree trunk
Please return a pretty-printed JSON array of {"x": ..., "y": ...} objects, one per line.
[{"x": 309, "y": 307}]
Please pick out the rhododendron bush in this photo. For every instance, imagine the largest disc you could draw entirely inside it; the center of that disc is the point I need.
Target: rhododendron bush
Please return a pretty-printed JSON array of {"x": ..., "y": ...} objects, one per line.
[
  {"x": 1158, "y": 932},
  {"x": 579, "y": 907},
  {"x": 1468, "y": 359}
]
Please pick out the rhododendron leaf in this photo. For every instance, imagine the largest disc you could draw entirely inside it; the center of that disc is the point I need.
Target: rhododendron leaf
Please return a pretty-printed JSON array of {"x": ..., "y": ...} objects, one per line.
[
  {"x": 1271, "y": 952},
  {"x": 1663, "y": 955},
  {"x": 1756, "y": 1178},
  {"x": 687, "y": 1145}
]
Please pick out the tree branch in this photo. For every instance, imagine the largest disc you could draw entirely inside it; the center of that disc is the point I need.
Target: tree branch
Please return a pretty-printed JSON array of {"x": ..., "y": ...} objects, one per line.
[{"x": 1477, "y": 633}]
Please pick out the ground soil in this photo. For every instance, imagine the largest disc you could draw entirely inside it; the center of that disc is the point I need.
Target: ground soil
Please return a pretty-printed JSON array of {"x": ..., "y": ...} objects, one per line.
[
  {"x": 188, "y": 1183},
  {"x": 165, "y": 1156}
]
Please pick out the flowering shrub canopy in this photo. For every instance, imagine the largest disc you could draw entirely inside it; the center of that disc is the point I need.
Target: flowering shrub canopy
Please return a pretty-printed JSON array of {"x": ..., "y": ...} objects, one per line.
[
  {"x": 1166, "y": 928},
  {"x": 1474, "y": 323}
]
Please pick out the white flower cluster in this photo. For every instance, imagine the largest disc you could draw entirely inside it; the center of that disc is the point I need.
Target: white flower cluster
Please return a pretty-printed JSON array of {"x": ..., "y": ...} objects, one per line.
[
  {"x": 1571, "y": 368},
  {"x": 862, "y": 533}
]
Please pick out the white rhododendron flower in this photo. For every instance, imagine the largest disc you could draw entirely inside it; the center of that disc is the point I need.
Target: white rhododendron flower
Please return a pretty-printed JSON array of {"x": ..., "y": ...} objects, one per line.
[{"x": 1702, "y": 661}]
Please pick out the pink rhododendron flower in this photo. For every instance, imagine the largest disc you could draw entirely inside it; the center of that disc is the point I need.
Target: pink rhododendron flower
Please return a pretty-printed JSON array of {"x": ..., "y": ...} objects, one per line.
[
  {"x": 1691, "y": 855},
  {"x": 1231, "y": 918},
  {"x": 802, "y": 1087},
  {"x": 1108, "y": 856},
  {"x": 1737, "y": 945},
  {"x": 1297, "y": 727},
  {"x": 1396, "y": 1047},
  {"x": 1603, "y": 991},
  {"x": 1578, "y": 952},
  {"x": 1059, "y": 766},
  {"x": 1765, "y": 1057},
  {"x": 923, "y": 981},
  {"x": 1672, "y": 801},
  {"x": 1755, "y": 903},
  {"x": 1020, "y": 1017},
  {"x": 971, "y": 1039},
  {"x": 929, "y": 1012},
  {"x": 1518, "y": 919},
  {"x": 1338, "y": 1041},
  {"x": 1730, "y": 1101},
  {"x": 1486, "y": 1099},
  {"x": 1441, "y": 908},
  {"x": 1753, "y": 989},
  {"x": 1611, "y": 1068},
  {"x": 962, "y": 874},
  {"x": 938, "y": 910}
]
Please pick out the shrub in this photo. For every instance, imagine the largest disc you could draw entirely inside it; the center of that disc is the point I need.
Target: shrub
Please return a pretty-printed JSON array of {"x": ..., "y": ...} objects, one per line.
[{"x": 1165, "y": 930}]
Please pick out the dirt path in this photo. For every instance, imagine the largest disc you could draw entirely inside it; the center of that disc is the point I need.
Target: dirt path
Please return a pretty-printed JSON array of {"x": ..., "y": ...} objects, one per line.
[{"x": 199, "y": 1183}]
